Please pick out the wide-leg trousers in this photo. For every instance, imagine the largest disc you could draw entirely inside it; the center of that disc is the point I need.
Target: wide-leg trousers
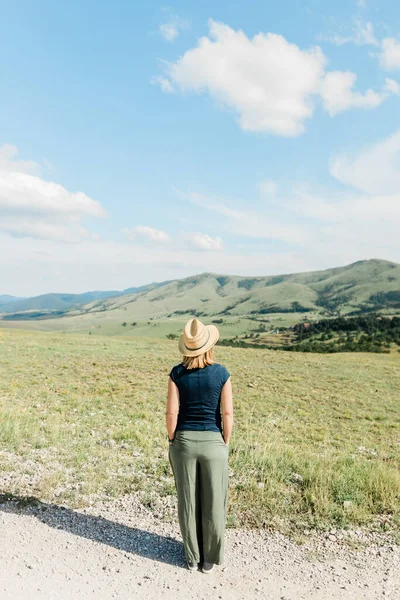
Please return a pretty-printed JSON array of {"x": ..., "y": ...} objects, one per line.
[{"x": 199, "y": 462}]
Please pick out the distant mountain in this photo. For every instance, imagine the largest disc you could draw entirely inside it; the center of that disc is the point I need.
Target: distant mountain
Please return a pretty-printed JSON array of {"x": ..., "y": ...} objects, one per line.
[
  {"x": 54, "y": 302},
  {"x": 5, "y": 299},
  {"x": 145, "y": 288},
  {"x": 361, "y": 287},
  {"x": 65, "y": 302}
]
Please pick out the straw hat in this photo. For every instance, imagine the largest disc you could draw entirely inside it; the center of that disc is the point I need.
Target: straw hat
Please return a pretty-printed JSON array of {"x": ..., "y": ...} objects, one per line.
[{"x": 197, "y": 338}]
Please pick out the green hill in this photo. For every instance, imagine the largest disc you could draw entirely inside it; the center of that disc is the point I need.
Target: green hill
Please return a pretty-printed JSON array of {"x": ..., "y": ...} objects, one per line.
[
  {"x": 64, "y": 302},
  {"x": 354, "y": 288},
  {"x": 235, "y": 302},
  {"x": 6, "y": 299}
]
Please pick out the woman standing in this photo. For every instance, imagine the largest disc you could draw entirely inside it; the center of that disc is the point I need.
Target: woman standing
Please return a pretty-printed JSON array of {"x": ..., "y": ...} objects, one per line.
[{"x": 199, "y": 389}]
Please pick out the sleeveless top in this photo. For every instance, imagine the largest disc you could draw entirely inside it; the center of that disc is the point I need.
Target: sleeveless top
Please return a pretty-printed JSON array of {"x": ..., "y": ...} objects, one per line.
[{"x": 200, "y": 396}]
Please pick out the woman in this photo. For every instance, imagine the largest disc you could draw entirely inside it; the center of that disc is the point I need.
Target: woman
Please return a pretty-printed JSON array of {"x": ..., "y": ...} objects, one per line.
[{"x": 199, "y": 389}]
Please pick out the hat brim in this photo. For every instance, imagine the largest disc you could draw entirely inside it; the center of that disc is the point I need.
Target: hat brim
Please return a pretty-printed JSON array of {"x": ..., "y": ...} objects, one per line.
[{"x": 214, "y": 337}]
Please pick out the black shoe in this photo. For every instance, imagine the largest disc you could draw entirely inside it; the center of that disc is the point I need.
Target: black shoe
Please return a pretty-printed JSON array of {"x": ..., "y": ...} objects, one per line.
[{"x": 208, "y": 567}]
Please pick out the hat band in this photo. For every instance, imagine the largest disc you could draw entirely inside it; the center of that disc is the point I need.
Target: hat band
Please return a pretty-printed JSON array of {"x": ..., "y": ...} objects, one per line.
[{"x": 199, "y": 347}]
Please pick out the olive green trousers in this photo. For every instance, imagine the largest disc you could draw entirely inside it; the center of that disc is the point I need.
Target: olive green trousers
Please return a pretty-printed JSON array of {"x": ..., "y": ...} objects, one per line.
[{"x": 199, "y": 462}]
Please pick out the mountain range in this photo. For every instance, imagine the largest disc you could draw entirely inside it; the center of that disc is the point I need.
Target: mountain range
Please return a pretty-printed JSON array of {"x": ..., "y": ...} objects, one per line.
[
  {"x": 63, "y": 302},
  {"x": 361, "y": 287}
]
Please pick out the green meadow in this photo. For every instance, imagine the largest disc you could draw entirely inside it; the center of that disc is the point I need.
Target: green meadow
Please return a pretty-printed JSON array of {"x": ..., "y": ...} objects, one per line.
[{"x": 316, "y": 441}]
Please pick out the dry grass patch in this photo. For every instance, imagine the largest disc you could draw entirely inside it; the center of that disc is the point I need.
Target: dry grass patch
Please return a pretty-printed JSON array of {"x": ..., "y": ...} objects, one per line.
[{"x": 316, "y": 440}]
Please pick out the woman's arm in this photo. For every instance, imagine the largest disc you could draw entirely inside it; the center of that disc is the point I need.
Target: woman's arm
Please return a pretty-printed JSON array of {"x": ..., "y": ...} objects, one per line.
[
  {"x": 171, "y": 415},
  {"x": 227, "y": 411}
]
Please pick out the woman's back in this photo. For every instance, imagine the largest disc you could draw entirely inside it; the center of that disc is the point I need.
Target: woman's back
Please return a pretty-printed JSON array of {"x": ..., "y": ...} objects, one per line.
[{"x": 199, "y": 396}]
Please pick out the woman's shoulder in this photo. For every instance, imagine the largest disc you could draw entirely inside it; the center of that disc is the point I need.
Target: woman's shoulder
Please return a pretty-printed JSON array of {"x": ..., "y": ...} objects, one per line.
[
  {"x": 176, "y": 370},
  {"x": 219, "y": 365},
  {"x": 223, "y": 371}
]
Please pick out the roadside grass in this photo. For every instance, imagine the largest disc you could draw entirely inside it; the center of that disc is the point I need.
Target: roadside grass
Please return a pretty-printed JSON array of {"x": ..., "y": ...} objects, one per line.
[{"x": 316, "y": 442}]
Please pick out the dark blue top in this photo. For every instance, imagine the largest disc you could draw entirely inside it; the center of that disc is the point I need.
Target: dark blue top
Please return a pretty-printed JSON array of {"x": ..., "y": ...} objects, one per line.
[{"x": 200, "y": 396}]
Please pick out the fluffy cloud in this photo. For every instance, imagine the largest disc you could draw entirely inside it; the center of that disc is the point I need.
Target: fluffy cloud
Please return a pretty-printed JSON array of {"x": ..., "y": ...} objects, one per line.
[
  {"x": 10, "y": 162},
  {"x": 169, "y": 31},
  {"x": 31, "y": 206},
  {"x": 202, "y": 241},
  {"x": 362, "y": 34},
  {"x": 269, "y": 225},
  {"x": 29, "y": 194},
  {"x": 392, "y": 86},
  {"x": 163, "y": 82},
  {"x": 334, "y": 228},
  {"x": 390, "y": 54},
  {"x": 338, "y": 94},
  {"x": 268, "y": 187},
  {"x": 193, "y": 241},
  {"x": 356, "y": 224},
  {"x": 45, "y": 266},
  {"x": 352, "y": 224},
  {"x": 173, "y": 28},
  {"x": 45, "y": 230},
  {"x": 146, "y": 233},
  {"x": 314, "y": 229},
  {"x": 374, "y": 170},
  {"x": 271, "y": 84},
  {"x": 348, "y": 207}
]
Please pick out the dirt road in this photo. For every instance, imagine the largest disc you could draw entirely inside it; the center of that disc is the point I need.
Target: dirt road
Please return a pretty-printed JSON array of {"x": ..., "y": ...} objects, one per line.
[{"x": 120, "y": 550}]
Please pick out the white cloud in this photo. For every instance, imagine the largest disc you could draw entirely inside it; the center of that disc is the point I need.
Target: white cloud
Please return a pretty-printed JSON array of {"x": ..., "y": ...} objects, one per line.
[
  {"x": 362, "y": 3},
  {"x": 147, "y": 233},
  {"x": 357, "y": 224},
  {"x": 365, "y": 219},
  {"x": 345, "y": 207},
  {"x": 350, "y": 225},
  {"x": 374, "y": 170},
  {"x": 266, "y": 225},
  {"x": 392, "y": 86},
  {"x": 314, "y": 230},
  {"x": 163, "y": 82},
  {"x": 322, "y": 229},
  {"x": 42, "y": 229},
  {"x": 340, "y": 230},
  {"x": 362, "y": 34},
  {"x": 23, "y": 193},
  {"x": 33, "y": 207},
  {"x": 29, "y": 267},
  {"x": 169, "y": 31},
  {"x": 271, "y": 84},
  {"x": 338, "y": 94},
  {"x": 173, "y": 28},
  {"x": 202, "y": 241},
  {"x": 10, "y": 162},
  {"x": 268, "y": 187},
  {"x": 390, "y": 54}
]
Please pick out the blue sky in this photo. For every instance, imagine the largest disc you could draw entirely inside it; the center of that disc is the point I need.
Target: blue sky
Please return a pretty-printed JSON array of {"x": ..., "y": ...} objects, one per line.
[{"x": 142, "y": 142}]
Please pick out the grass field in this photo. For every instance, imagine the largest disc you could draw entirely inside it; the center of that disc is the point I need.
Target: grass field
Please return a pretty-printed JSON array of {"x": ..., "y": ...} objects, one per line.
[
  {"x": 316, "y": 441},
  {"x": 112, "y": 324}
]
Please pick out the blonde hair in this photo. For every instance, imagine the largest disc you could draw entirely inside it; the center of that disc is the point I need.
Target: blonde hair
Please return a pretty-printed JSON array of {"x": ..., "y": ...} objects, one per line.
[{"x": 199, "y": 362}]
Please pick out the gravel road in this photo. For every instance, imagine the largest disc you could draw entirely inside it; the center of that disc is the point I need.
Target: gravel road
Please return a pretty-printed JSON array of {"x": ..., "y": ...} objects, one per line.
[{"x": 121, "y": 550}]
